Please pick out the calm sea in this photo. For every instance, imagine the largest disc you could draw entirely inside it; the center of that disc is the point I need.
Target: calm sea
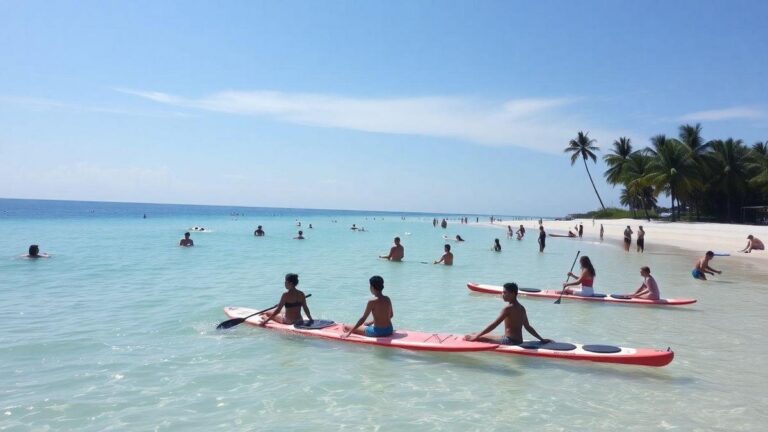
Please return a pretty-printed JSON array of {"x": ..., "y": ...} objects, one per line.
[{"x": 116, "y": 330}]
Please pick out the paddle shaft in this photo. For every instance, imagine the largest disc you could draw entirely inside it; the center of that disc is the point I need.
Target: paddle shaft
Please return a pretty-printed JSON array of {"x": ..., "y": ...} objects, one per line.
[{"x": 568, "y": 278}]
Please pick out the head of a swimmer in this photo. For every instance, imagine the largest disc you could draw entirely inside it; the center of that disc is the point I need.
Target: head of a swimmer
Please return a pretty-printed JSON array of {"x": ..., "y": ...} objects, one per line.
[
  {"x": 291, "y": 280},
  {"x": 186, "y": 235},
  {"x": 34, "y": 250},
  {"x": 397, "y": 240},
  {"x": 447, "y": 248},
  {"x": 510, "y": 292},
  {"x": 377, "y": 285}
]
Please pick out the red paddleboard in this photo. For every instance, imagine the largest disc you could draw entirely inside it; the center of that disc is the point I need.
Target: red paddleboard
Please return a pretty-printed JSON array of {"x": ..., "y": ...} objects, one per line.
[
  {"x": 604, "y": 298},
  {"x": 403, "y": 339},
  {"x": 594, "y": 353}
]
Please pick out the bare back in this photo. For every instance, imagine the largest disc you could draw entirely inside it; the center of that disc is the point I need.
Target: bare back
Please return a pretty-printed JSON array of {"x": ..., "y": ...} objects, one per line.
[{"x": 381, "y": 309}]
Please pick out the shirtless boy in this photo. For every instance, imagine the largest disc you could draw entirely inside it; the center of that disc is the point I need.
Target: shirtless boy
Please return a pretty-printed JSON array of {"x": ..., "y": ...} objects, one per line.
[
  {"x": 702, "y": 267},
  {"x": 396, "y": 252}
]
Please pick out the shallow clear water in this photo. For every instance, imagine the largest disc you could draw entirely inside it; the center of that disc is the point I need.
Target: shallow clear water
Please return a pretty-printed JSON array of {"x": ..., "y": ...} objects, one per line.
[{"x": 116, "y": 331}]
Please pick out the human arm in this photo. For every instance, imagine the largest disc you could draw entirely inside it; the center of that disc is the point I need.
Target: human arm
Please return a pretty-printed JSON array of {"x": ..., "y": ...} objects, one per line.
[
  {"x": 306, "y": 308},
  {"x": 577, "y": 281},
  {"x": 368, "y": 309},
  {"x": 531, "y": 330},
  {"x": 442, "y": 258},
  {"x": 487, "y": 329},
  {"x": 275, "y": 312}
]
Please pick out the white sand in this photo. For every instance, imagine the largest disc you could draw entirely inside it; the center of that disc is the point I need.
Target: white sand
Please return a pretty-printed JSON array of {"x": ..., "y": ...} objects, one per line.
[{"x": 693, "y": 236}]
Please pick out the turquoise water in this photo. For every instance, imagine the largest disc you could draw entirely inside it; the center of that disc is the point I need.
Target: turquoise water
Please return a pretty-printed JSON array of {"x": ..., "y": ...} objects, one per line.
[{"x": 116, "y": 331}]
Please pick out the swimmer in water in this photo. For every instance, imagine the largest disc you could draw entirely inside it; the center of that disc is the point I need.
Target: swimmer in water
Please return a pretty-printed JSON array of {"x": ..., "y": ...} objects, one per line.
[
  {"x": 396, "y": 252},
  {"x": 259, "y": 232},
  {"x": 300, "y": 236},
  {"x": 34, "y": 253},
  {"x": 496, "y": 246},
  {"x": 447, "y": 258},
  {"x": 186, "y": 241}
]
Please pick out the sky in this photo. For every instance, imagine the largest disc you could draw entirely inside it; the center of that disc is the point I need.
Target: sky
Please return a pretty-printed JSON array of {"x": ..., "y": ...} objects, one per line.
[{"x": 437, "y": 106}]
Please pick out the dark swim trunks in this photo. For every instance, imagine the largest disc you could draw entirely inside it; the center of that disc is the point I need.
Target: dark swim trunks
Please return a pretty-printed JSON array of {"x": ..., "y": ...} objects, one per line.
[{"x": 506, "y": 340}]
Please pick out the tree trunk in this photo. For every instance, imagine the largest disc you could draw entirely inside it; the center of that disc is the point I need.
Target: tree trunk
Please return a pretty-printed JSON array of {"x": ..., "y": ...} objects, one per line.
[
  {"x": 593, "y": 184},
  {"x": 672, "y": 192}
]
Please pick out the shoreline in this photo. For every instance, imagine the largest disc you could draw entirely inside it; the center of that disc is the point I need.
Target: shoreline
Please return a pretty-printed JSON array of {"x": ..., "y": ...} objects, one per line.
[{"x": 697, "y": 237}]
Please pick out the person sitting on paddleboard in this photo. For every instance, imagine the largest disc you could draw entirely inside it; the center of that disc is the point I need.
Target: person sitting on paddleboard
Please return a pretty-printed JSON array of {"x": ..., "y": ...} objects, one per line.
[
  {"x": 586, "y": 279},
  {"x": 396, "y": 252},
  {"x": 702, "y": 267},
  {"x": 753, "y": 243},
  {"x": 649, "y": 290},
  {"x": 259, "y": 232},
  {"x": 447, "y": 258},
  {"x": 293, "y": 301},
  {"x": 186, "y": 241},
  {"x": 496, "y": 245},
  {"x": 34, "y": 252},
  {"x": 381, "y": 308},
  {"x": 514, "y": 318}
]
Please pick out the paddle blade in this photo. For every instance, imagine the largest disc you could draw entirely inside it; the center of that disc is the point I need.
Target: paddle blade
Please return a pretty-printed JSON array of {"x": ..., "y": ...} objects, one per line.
[{"x": 230, "y": 323}]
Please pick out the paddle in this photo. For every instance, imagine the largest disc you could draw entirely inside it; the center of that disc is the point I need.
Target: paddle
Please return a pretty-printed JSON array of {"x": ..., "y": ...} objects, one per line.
[
  {"x": 237, "y": 321},
  {"x": 568, "y": 278}
]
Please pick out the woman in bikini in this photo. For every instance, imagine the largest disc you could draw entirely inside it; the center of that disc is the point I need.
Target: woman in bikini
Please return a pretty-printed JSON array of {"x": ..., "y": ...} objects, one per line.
[
  {"x": 293, "y": 301},
  {"x": 586, "y": 279}
]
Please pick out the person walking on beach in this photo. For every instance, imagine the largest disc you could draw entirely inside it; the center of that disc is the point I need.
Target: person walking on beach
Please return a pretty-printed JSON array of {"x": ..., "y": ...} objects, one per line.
[
  {"x": 601, "y": 232},
  {"x": 627, "y": 238},
  {"x": 34, "y": 252},
  {"x": 649, "y": 289},
  {"x": 586, "y": 279},
  {"x": 542, "y": 238},
  {"x": 300, "y": 236},
  {"x": 496, "y": 246},
  {"x": 514, "y": 317},
  {"x": 292, "y": 300},
  {"x": 640, "y": 240},
  {"x": 753, "y": 243},
  {"x": 702, "y": 267},
  {"x": 381, "y": 309},
  {"x": 186, "y": 241},
  {"x": 447, "y": 258},
  {"x": 396, "y": 252},
  {"x": 581, "y": 229},
  {"x": 259, "y": 232}
]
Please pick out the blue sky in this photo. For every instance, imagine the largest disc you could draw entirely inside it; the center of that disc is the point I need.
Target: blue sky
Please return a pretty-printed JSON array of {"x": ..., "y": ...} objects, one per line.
[{"x": 400, "y": 105}]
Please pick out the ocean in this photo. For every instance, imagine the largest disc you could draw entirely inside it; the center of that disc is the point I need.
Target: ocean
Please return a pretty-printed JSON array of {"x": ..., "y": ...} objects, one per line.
[{"x": 116, "y": 331}]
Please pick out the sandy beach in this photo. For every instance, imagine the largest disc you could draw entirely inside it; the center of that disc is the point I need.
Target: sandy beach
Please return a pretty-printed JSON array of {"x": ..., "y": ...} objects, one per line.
[{"x": 692, "y": 236}]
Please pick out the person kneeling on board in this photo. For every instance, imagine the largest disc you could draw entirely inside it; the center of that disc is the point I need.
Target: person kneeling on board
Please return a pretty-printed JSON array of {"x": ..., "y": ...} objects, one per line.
[
  {"x": 514, "y": 318},
  {"x": 381, "y": 308},
  {"x": 293, "y": 300}
]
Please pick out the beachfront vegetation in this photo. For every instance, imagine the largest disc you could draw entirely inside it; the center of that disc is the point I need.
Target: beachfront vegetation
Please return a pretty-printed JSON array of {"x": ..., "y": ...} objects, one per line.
[
  {"x": 586, "y": 148},
  {"x": 703, "y": 178}
]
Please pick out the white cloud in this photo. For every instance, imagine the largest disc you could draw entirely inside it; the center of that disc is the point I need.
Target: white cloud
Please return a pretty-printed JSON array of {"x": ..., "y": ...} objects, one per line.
[
  {"x": 734, "y": 113},
  {"x": 537, "y": 124}
]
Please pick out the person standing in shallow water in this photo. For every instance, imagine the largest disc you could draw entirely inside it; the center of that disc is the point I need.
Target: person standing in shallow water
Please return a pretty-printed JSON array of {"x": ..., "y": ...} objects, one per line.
[
  {"x": 186, "y": 241},
  {"x": 640, "y": 240},
  {"x": 542, "y": 239},
  {"x": 259, "y": 232},
  {"x": 581, "y": 229},
  {"x": 496, "y": 246},
  {"x": 396, "y": 252},
  {"x": 627, "y": 238},
  {"x": 447, "y": 258},
  {"x": 602, "y": 231}
]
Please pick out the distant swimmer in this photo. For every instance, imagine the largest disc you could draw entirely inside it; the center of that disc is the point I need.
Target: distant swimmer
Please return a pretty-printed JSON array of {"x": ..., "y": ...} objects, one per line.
[
  {"x": 186, "y": 241},
  {"x": 649, "y": 289},
  {"x": 447, "y": 258},
  {"x": 586, "y": 279},
  {"x": 145, "y": 215},
  {"x": 259, "y": 232},
  {"x": 300, "y": 236},
  {"x": 353, "y": 227},
  {"x": 627, "y": 238},
  {"x": 581, "y": 229},
  {"x": 292, "y": 300},
  {"x": 641, "y": 239},
  {"x": 753, "y": 243},
  {"x": 514, "y": 317},
  {"x": 496, "y": 246},
  {"x": 702, "y": 267},
  {"x": 380, "y": 307},
  {"x": 521, "y": 232},
  {"x": 458, "y": 238},
  {"x": 444, "y": 224},
  {"x": 310, "y": 226},
  {"x": 542, "y": 238},
  {"x": 34, "y": 252},
  {"x": 396, "y": 252}
]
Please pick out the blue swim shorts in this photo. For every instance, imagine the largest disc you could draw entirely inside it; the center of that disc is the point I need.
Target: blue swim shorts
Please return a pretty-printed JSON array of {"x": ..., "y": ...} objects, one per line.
[
  {"x": 372, "y": 331},
  {"x": 696, "y": 273}
]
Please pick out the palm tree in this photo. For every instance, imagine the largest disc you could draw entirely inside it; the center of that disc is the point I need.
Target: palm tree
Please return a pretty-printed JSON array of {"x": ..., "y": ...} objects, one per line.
[
  {"x": 760, "y": 148},
  {"x": 584, "y": 147},
  {"x": 617, "y": 160},
  {"x": 691, "y": 137},
  {"x": 758, "y": 167},
  {"x": 729, "y": 160},
  {"x": 671, "y": 168},
  {"x": 637, "y": 185}
]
